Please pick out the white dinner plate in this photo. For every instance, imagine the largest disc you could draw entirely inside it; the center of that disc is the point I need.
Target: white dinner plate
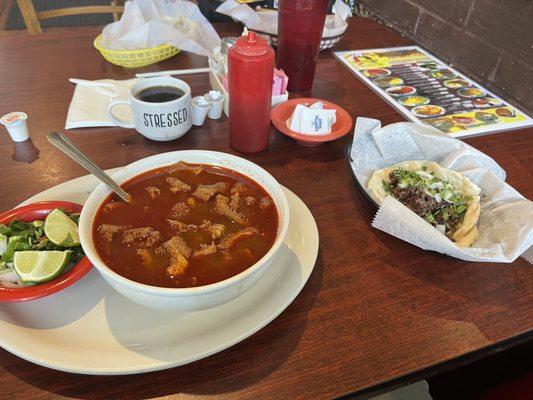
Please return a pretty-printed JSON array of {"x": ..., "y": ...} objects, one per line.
[{"x": 89, "y": 328}]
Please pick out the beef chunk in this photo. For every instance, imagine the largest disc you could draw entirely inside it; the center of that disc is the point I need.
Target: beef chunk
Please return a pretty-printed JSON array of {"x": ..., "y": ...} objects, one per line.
[
  {"x": 416, "y": 199},
  {"x": 393, "y": 179}
]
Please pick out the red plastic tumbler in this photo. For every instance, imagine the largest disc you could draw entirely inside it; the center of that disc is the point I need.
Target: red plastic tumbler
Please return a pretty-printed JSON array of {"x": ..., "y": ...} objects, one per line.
[
  {"x": 250, "y": 74},
  {"x": 300, "y": 26}
]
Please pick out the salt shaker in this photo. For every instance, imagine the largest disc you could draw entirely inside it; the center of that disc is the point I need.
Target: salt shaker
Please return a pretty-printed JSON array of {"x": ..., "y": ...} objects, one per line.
[{"x": 251, "y": 68}]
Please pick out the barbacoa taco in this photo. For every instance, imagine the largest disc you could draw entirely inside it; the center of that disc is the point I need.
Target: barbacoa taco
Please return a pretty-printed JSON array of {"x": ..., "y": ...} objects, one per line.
[{"x": 444, "y": 198}]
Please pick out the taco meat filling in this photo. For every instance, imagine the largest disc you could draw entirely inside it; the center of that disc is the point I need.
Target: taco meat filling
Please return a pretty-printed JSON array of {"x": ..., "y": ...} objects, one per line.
[{"x": 433, "y": 199}]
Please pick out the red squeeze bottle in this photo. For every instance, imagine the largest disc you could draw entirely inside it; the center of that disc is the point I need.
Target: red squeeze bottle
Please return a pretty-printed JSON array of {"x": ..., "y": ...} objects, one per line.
[{"x": 250, "y": 75}]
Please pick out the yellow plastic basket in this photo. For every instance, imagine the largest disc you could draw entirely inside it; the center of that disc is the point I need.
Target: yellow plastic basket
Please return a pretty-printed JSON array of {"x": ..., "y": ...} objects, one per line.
[{"x": 136, "y": 58}]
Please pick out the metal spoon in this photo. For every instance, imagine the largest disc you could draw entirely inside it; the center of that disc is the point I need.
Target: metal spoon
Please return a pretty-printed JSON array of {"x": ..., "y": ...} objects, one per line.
[{"x": 70, "y": 149}]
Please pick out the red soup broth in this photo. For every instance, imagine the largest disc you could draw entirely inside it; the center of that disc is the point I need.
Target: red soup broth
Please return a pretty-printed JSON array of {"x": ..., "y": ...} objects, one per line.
[{"x": 177, "y": 233}]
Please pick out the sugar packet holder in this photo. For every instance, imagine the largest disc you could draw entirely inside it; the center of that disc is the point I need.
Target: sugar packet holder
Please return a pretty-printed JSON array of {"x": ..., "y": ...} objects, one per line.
[{"x": 506, "y": 221}]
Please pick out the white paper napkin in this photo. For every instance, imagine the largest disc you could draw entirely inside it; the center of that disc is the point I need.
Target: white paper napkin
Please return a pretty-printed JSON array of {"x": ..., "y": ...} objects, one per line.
[
  {"x": 150, "y": 23},
  {"x": 267, "y": 20},
  {"x": 312, "y": 120},
  {"x": 506, "y": 221},
  {"x": 89, "y": 103}
]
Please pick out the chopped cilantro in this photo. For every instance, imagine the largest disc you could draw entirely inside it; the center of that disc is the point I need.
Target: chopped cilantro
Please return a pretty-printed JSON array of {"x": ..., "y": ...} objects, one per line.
[
  {"x": 387, "y": 187},
  {"x": 451, "y": 204}
]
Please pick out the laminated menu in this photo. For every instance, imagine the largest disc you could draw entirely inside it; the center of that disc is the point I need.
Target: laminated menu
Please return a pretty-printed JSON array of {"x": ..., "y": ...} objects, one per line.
[
  {"x": 505, "y": 222},
  {"x": 427, "y": 91}
]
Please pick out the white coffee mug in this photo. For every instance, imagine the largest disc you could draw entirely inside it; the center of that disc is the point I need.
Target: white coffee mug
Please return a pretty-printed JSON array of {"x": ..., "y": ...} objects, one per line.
[{"x": 160, "y": 121}]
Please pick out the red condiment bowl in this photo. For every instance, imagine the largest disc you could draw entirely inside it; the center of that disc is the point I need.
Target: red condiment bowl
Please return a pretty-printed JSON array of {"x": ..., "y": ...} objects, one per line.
[
  {"x": 39, "y": 211},
  {"x": 283, "y": 111}
]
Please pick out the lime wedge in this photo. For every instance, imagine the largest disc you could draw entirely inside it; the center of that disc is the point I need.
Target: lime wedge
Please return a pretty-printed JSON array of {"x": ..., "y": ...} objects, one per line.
[
  {"x": 40, "y": 266},
  {"x": 61, "y": 230}
]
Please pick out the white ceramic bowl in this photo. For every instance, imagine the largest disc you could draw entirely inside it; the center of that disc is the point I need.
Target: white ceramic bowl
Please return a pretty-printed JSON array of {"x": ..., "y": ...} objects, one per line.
[{"x": 185, "y": 299}]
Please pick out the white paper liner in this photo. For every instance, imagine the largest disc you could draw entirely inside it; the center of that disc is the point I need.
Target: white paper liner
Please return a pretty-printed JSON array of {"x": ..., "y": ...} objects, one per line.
[
  {"x": 88, "y": 107},
  {"x": 506, "y": 221},
  {"x": 267, "y": 20},
  {"x": 150, "y": 23}
]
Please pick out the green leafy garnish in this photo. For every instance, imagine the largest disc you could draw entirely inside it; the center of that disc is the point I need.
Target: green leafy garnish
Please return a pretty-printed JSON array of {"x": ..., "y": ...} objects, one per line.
[
  {"x": 5, "y": 230},
  {"x": 16, "y": 243},
  {"x": 430, "y": 218},
  {"x": 450, "y": 204},
  {"x": 22, "y": 236},
  {"x": 387, "y": 187}
]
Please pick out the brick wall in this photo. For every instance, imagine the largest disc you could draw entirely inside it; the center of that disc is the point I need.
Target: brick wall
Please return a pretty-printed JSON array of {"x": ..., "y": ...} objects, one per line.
[{"x": 489, "y": 40}]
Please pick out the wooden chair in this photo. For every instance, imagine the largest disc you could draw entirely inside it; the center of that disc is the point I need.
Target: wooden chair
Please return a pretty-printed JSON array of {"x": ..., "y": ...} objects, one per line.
[{"x": 32, "y": 18}]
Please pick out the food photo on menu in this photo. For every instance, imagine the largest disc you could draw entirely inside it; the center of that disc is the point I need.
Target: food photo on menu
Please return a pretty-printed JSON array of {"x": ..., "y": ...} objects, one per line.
[{"x": 253, "y": 199}]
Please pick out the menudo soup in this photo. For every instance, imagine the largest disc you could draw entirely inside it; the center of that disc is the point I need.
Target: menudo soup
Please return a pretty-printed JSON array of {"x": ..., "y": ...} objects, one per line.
[{"x": 186, "y": 225}]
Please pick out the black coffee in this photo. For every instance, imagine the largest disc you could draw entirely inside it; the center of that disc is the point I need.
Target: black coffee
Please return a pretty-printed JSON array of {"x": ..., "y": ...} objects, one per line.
[{"x": 159, "y": 94}]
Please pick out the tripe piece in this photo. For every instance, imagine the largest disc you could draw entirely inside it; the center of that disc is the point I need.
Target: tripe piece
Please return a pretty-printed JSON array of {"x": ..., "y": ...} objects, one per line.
[
  {"x": 205, "y": 192},
  {"x": 180, "y": 210},
  {"x": 229, "y": 240},
  {"x": 222, "y": 207},
  {"x": 144, "y": 237},
  {"x": 177, "y": 185},
  {"x": 205, "y": 250},
  {"x": 179, "y": 251}
]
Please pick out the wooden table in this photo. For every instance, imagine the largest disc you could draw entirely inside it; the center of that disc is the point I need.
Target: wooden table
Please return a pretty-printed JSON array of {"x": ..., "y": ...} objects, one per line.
[{"x": 377, "y": 313}]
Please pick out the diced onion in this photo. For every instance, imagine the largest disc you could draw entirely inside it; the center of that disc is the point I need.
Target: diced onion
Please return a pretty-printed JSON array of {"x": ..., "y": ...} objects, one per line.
[
  {"x": 424, "y": 174},
  {"x": 441, "y": 228},
  {"x": 3, "y": 244},
  {"x": 438, "y": 198},
  {"x": 446, "y": 195},
  {"x": 436, "y": 185},
  {"x": 9, "y": 276}
]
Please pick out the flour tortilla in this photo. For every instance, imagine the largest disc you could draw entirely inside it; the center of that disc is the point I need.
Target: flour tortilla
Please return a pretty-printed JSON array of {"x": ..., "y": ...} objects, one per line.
[{"x": 466, "y": 232}]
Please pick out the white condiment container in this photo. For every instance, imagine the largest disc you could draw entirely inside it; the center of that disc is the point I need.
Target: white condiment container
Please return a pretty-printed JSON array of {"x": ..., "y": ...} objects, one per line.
[
  {"x": 216, "y": 84},
  {"x": 200, "y": 108},
  {"x": 15, "y": 123},
  {"x": 216, "y": 99}
]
